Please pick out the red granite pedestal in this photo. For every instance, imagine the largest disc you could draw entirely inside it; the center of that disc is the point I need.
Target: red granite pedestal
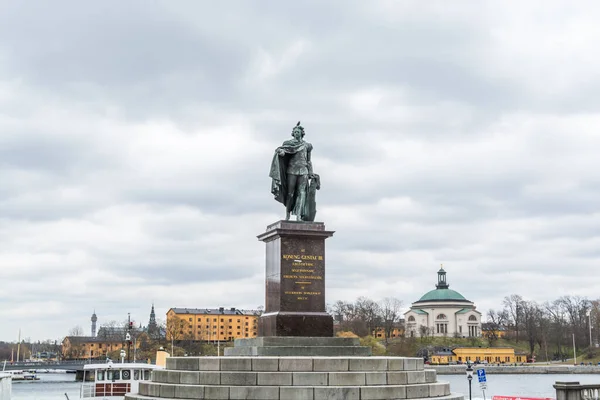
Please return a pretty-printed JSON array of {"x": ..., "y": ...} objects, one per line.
[{"x": 295, "y": 280}]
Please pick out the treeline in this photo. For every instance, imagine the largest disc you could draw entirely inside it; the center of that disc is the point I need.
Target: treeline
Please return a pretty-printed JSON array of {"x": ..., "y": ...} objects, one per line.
[
  {"x": 552, "y": 327},
  {"x": 368, "y": 317}
]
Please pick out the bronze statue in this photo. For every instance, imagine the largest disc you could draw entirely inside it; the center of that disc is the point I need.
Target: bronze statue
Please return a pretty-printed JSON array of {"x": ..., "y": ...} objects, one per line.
[{"x": 293, "y": 182}]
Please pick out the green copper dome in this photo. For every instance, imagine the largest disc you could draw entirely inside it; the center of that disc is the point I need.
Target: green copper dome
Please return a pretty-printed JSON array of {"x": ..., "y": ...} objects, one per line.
[
  {"x": 442, "y": 295},
  {"x": 442, "y": 291}
]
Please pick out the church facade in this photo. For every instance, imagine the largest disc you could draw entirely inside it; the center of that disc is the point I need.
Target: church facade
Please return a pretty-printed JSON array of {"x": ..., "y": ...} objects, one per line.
[{"x": 443, "y": 312}]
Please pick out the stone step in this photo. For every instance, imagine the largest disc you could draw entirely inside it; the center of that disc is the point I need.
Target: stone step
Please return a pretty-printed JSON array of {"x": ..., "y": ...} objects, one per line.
[
  {"x": 209, "y": 392},
  {"x": 295, "y": 364},
  {"x": 291, "y": 378}
]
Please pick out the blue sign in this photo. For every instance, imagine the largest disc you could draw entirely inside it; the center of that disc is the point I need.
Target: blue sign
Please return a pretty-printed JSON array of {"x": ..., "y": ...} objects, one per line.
[{"x": 481, "y": 375}]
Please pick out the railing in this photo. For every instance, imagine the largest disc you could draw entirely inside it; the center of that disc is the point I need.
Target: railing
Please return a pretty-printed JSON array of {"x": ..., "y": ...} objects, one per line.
[
  {"x": 576, "y": 391},
  {"x": 104, "y": 389}
]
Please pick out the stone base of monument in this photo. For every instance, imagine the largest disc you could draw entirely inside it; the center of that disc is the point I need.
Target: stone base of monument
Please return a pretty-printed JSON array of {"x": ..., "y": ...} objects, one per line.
[
  {"x": 294, "y": 378},
  {"x": 298, "y": 346}
]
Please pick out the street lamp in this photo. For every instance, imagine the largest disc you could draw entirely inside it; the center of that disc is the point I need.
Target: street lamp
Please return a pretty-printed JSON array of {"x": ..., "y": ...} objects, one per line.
[
  {"x": 128, "y": 340},
  {"x": 469, "y": 376},
  {"x": 122, "y": 353}
]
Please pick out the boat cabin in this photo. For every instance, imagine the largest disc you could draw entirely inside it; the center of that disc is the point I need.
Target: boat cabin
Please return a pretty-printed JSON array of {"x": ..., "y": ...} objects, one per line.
[{"x": 114, "y": 380}]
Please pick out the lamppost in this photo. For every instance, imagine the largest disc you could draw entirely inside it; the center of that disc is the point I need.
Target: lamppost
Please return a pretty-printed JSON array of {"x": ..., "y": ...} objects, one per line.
[
  {"x": 469, "y": 376},
  {"x": 122, "y": 353},
  {"x": 128, "y": 339}
]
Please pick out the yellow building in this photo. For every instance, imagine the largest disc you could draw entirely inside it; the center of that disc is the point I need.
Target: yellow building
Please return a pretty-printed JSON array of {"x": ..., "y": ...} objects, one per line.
[
  {"x": 396, "y": 332},
  {"x": 87, "y": 347},
  {"x": 205, "y": 324},
  {"x": 491, "y": 355}
]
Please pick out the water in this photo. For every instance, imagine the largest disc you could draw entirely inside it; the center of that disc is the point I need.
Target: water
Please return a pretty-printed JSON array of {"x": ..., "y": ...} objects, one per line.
[
  {"x": 515, "y": 385},
  {"x": 54, "y": 386},
  {"x": 50, "y": 386}
]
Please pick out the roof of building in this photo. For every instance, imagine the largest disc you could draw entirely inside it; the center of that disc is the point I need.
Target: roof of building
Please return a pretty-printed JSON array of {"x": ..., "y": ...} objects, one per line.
[
  {"x": 442, "y": 295},
  {"x": 215, "y": 311},
  {"x": 418, "y": 311},
  {"x": 94, "y": 339},
  {"x": 442, "y": 291}
]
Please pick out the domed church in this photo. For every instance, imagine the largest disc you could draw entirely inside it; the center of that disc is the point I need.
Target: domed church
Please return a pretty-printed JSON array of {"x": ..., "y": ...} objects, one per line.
[{"x": 443, "y": 312}]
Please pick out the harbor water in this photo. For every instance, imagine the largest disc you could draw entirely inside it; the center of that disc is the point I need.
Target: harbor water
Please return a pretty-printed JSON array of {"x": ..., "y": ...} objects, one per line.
[{"x": 54, "y": 386}]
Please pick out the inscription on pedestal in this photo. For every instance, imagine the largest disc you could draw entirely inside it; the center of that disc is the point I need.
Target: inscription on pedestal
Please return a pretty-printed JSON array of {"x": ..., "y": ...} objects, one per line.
[{"x": 302, "y": 275}]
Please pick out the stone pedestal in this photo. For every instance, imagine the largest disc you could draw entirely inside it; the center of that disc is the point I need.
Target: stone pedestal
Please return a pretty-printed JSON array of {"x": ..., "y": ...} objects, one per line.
[{"x": 295, "y": 280}]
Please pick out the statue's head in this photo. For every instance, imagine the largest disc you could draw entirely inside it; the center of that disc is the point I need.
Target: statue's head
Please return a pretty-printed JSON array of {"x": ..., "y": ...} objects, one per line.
[{"x": 298, "y": 131}]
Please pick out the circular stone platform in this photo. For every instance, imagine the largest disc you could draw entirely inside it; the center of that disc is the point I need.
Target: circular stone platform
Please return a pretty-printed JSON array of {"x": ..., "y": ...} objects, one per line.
[{"x": 294, "y": 378}]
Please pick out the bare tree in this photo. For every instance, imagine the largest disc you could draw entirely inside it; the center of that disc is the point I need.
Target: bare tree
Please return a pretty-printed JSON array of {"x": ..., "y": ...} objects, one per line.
[
  {"x": 390, "y": 308},
  {"x": 175, "y": 328},
  {"x": 368, "y": 311},
  {"x": 513, "y": 304},
  {"x": 77, "y": 330},
  {"x": 496, "y": 322}
]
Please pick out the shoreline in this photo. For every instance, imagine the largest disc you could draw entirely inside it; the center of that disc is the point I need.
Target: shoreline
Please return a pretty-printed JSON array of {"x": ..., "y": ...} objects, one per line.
[{"x": 520, "y": 369}]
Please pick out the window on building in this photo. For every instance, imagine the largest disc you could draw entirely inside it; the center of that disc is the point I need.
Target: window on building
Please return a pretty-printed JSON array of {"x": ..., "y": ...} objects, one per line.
[
  {"x": 214, "y": 320},
  {"x": 472, "y": 318},
  {"x": 229, "y": 319},
  {"x": 441, "y": 316},
  {"x": 411, "y": 319},
  {"x": 238, "y": 320},
  {"x": 190, "y": 319},
  {"x": 246, "y": 324}
]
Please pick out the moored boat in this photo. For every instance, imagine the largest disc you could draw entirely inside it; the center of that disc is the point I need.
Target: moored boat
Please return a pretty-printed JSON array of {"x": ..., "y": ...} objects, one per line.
[{"x": 114, "y": 380}]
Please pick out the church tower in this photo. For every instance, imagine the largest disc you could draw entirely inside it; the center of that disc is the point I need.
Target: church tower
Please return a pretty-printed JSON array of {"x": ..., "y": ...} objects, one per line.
[
  {"x": 94, "y": 319},
  {"x": 152, "y": 326}
]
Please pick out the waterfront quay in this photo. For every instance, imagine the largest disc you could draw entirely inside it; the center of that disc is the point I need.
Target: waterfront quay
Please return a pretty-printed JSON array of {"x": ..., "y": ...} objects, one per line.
[{"x": 518, "y": 369}]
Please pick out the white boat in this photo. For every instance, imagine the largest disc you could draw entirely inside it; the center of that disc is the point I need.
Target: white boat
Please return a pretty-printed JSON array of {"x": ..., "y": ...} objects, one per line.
[
  {"x": 19, "y": 375},
  {"x": 114, "y": 380},
  {"x": 5, "y": 386}
]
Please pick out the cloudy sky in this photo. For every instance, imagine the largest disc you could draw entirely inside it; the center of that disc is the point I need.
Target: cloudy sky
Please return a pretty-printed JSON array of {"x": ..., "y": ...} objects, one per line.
[{"x": 136, "y": 138}]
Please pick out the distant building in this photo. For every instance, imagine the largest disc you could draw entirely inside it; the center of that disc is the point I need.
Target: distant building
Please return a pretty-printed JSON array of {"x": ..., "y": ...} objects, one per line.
[
  {"x": 443, "y": 312},
  {"x": 89, "y": 347},
  {"x": 152, "y": 329},
  {"x": 491, "y": 355},
  {"x": 211, "y": 324},
  {"x": 94, "y": 319}
]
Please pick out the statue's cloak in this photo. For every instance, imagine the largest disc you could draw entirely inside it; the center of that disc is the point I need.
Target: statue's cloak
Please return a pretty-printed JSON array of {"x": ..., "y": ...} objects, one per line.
[{"x": 279, "y": 166}]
